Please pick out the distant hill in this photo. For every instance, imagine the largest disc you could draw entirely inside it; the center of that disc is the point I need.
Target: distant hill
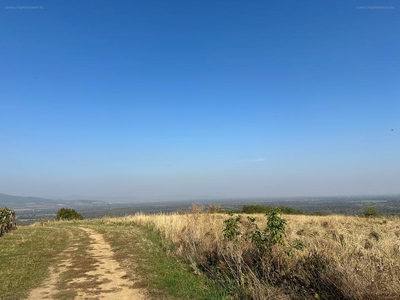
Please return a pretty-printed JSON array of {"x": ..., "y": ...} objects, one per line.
[{"x": 21, "y": 202}]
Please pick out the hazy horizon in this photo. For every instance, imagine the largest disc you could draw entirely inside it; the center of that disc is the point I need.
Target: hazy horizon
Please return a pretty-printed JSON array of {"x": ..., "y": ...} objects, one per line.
[
  {"x": 185, "y": 198},
  {"x": 219, "y": 99}
]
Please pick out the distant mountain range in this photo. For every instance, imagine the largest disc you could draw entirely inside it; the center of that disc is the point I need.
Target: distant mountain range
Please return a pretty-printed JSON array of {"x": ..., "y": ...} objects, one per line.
[{"x": 20, "y": 202}]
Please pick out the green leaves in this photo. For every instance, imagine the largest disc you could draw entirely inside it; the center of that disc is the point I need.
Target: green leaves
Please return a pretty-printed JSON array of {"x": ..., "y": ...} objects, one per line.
[
  {"x": 231, "y": 230},
  {"x": 275, "y": 227},
  {"x": 7, "y": 218},
  {"x": 68, "y": 214},
  {"x": 262, "y": 239},
  {"x": 370, "y": 212}
]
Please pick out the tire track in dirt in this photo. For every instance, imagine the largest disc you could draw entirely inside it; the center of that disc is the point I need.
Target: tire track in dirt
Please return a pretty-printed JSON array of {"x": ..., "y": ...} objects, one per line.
[{"x": 104, "y": 278}]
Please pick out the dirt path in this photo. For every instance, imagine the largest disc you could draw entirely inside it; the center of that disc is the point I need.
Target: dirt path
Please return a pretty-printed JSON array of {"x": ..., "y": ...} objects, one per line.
[{"x": 89, "y": 274}]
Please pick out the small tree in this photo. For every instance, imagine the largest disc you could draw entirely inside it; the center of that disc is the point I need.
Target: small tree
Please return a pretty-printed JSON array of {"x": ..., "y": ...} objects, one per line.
[
  {"x": 214, "y": 208},
  {"x": 272, "y": 234},
  {"x": 68, "y": 214},
  {"x": 370, "y": 212},
  {"x": 196, "y": 208}
]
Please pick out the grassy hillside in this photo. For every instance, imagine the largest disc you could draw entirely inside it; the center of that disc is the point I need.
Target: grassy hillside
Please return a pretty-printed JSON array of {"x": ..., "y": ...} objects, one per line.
[
  {"x": 320, "y": 257},
  {"x": 172, "y": 255}
]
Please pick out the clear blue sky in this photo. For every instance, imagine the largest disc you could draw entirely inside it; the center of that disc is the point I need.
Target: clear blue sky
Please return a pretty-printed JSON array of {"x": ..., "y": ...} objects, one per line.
[{"x": 152, "y": 99}]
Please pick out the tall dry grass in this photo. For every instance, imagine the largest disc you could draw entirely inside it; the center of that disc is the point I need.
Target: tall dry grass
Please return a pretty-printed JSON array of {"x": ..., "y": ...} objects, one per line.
[{"x": 334, "y": 257}]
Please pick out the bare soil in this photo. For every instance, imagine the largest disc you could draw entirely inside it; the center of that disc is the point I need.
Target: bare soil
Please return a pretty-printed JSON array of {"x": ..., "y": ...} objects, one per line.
[{"x": 96, "y": 275}]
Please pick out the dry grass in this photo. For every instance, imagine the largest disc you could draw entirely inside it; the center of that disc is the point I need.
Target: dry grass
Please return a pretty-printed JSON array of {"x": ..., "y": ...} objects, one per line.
[{"x": 343, "y": 257}]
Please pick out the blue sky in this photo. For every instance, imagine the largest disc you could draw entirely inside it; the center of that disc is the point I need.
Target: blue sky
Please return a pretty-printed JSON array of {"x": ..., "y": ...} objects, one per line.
[{"x": 159, "y": 99}]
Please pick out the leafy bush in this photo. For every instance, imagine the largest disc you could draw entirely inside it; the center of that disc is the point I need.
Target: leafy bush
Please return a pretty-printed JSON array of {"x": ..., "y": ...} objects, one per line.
[
  {"x": 262, "y": 239},
  {"x": 7, "y": 220},
  {"x": 370, "y": 212},
  {"x": 68, "y": 214},
  {"x": 232, "y": 227},
  {"x": 275, "y": 227}
]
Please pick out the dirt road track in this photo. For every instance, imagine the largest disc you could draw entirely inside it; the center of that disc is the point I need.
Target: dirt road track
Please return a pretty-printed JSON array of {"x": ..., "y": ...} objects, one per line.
[{"x": 104, "y": 280}]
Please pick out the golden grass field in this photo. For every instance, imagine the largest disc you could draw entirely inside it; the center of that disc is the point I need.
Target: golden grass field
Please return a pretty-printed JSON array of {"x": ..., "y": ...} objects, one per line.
[{"x": 343, "y": 257}]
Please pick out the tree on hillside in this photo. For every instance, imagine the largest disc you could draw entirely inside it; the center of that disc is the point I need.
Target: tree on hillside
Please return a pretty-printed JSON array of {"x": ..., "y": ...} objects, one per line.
[
  {"x": 370, "y": 212},
  {"x": 68, "y": 214}
]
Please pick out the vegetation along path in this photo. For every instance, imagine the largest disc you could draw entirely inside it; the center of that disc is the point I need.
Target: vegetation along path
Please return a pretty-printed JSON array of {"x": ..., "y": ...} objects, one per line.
[{"x": 87, "y": 270}]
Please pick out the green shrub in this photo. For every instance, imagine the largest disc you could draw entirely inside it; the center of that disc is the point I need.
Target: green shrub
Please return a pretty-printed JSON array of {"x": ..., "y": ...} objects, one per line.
[
  {"x": 262, "y": 239},
  {"x": 232, "y": 227},
  {"x": 275, "y": 227},
  {"x": 7, "y": 220},
  {"x": 272, "y": 234},
  {"x": 68, "y": 214},
  {"x": 370, "y": 212}
]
